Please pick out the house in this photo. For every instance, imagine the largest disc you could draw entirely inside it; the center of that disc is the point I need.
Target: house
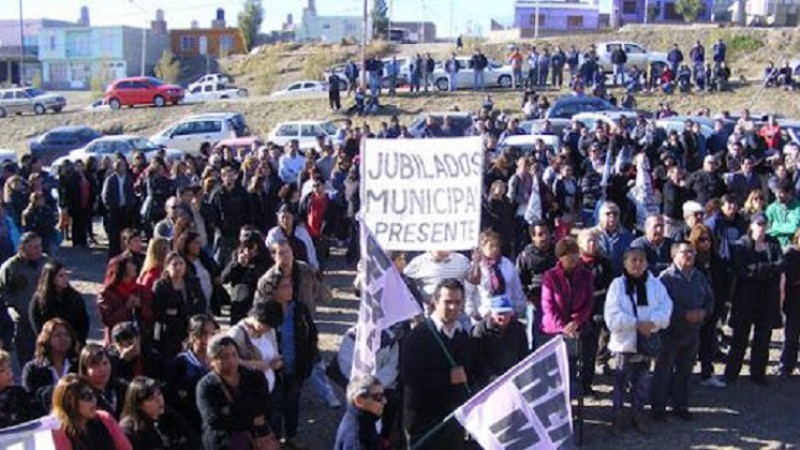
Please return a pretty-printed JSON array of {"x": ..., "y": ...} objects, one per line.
[
  {"x": 217, "y": 41},
  {"x": 420, "y": 31},
  {"x": 72, "y": 56},
  {"x": 11, "y": 49},
  {"x": 316, "y": 28},
  {"x": 556, "y": 15},
  {"x": 633, "y": 11},
  {"x": 779, "y": 13}
]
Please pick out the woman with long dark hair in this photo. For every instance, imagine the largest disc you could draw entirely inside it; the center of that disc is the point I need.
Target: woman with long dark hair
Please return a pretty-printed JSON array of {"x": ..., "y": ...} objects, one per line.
[
  {"x": 201, "y": 266},
  {"x": 149, "y": 424},
  {"x": 55, "y": 356},
  {"x": 55, "y": 297},
  {"x": 190, "y": 366},
  {"x": 245, "y": 268},
  {"x": 176, "y": 297},
  {"x": 84, "y": 426},
  {"x": 123, "y": 299},
  {"x": 94, "y": 363}
]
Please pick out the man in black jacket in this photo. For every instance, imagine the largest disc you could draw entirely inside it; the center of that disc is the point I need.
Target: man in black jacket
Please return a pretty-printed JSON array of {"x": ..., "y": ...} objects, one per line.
[
  {"x": 229, "y": 203},
  {"x": 479, "y": 63},
  {"x": 430, "y": 65},
  {"x": 500, "y": 340},
  {"x": 618, "y": 59},
  {"x": 120, "y": 202},
  {"x": 536, "y": 259},
  {"x": 435, "y": 384}
]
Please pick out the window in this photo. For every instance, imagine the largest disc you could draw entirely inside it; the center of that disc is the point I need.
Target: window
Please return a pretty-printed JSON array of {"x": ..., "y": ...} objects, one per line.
[
  {"x": 8, "y": 95},
  {"x": 225, "y": 43},
  {"x": 288, "y": 130},
  {"x": 210, "y": 126},
  {"x": 294, "y": 87},
  {"x": 124, "y": 85},
  {"x": 326, "y": 26},
  {"x": 308, "y": 85},
  {"x": 309, "y": 131},
  {"x": 633, "y": 49},
  {"x": 79, "y": 71},
  {"x": 100, "y": 147},
  {"x": 52, "y": 43},
  {"x": 184, "y": 129},
  {"x": 629, "y": 7},
  {"x": 138, "y": 85},
  {"x": 208, "y": 88},
  {"x": 20, "y": 95},
  {"x": 196, "y": 90},
  {"x": 575, "y": 22},
  {"x": 533, "y": 19},
  {"x": 188, "y": 43}
]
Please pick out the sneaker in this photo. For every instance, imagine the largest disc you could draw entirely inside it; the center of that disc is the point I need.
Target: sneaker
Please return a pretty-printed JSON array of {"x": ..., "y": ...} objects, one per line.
[
  {"x": 714, "y": 382},
  {"x": 683, "y": 414}
]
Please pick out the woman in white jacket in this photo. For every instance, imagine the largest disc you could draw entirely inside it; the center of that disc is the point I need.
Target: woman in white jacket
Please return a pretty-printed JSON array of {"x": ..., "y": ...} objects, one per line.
[{"x": 637, "y": 302}]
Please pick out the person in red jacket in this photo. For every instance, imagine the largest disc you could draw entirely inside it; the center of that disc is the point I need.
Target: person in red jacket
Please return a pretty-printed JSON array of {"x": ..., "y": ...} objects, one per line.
[{"x": 123, "y": 299}]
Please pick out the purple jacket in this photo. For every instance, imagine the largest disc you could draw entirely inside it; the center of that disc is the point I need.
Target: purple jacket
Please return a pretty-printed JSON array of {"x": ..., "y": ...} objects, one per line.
[{"x": 557, "y": 293}]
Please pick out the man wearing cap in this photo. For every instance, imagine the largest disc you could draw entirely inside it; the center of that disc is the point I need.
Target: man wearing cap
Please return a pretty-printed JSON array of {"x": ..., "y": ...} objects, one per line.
[
  {"x": 500, "y": 340},
  {"x": 783, "y": 214},
  {"x": 707, "y": 183},
  {"x": 692, "y": 302},
  {"x": 693, "y": 214},
  {"x": 674, "y": 194}
]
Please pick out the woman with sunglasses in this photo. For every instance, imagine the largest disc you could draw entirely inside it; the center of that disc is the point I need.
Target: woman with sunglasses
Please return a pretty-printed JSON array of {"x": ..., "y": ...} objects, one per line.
[
  {"x": 149, "y": 425},
  {"x": 94, "y": 363},
  {"x": 366, "y": 403},
  {"x": 84, "y": 425},
  {"x": 759, "y": 264}
]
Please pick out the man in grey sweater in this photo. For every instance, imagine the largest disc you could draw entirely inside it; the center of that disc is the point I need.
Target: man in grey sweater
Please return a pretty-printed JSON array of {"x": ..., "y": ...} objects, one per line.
[{"x": 692, "y": 301}]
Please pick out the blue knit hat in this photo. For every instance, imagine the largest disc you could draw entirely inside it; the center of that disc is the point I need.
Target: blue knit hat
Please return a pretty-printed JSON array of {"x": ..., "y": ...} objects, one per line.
[{"x": 501, "y": 304}]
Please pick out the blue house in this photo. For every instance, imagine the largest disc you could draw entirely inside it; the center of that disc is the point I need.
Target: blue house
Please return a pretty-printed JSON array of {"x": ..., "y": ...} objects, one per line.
[
  {"x": 72, "y": 56},
  {"x": 633, "y": 11}
]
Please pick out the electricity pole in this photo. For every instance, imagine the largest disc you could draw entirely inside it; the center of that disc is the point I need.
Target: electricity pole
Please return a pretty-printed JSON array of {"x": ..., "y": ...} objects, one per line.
[
  {"x": 144, "y": 36},
  {"x": 536, "y": 23},
  {"x": 364, "y": 31},
  {"x": 21, "y": 47}
]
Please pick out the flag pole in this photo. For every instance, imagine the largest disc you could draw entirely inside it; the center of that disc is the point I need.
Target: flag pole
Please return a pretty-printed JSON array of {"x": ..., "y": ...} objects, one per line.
[
  {"x": 433, "y": 430},
  {"x": 447, "y": 354}
]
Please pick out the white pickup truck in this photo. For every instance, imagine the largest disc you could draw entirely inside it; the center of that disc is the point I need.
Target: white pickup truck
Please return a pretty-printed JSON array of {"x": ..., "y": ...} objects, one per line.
[
  {"x": 212, "y": 91},
  {"x": 637, "y": 55}
]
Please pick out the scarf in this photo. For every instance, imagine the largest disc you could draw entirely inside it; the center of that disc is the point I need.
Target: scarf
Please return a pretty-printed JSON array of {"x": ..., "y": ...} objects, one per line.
[
  {"x": 497, "y": 284},
  {"x": 636, "y": 286},
  {"x": 126, "y": 289}
]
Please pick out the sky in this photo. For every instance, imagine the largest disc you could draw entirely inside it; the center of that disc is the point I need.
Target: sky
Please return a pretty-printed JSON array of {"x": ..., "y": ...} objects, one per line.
[{"x": 466, "y": 14}]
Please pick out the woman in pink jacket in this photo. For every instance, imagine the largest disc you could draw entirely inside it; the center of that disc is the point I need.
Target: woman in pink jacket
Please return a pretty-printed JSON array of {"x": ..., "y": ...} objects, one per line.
[
  {"x": 83, "y": 426},
  {"x": 567, "y": 298}
]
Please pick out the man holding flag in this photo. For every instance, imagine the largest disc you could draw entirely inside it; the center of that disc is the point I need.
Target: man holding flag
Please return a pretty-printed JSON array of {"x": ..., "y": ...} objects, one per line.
[{"x": 438, "y": 365}]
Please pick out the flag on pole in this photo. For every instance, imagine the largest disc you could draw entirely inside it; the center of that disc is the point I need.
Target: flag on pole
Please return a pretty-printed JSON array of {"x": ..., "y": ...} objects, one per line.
[
  {"x": 641, "y": 194},
  {"x": 527, "y": 408},
  {"x": 36, "y": 434},
  {"x": 385, "y": 301}
]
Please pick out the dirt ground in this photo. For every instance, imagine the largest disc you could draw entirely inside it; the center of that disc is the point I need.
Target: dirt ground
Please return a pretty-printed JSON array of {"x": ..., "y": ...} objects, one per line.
[{"x": 744, "y": 416}]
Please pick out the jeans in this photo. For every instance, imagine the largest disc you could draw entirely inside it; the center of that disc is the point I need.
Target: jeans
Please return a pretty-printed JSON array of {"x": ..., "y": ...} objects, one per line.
[
  {"x": 533, "y": 77},
  {"x": 791, "y": 342},
  {"x": 320, "y": 384},
  {"x": 543, "y": 71},
  {"x": 619, "y": 73},
  {"x": 452, "y": 82},
  {"x": 374, "y": 85},
  {"x": 517, "y": 79},
  {"x": 630, "y": 374},
  {"x": 477, "y": 80},
  {"x": 533, "y": 322},
  {"x": 673, "y": 369},
  {"x": 427, "y": 80},
  {"x": 286, "y": 411},
  {"x": 557, "y": 79},
  {"x": 392, "y": 84}
]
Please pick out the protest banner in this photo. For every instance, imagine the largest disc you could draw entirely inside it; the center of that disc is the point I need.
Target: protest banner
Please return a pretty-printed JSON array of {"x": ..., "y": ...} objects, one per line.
[
  {"x": 34, "y": 435},
  {"x": 423, "y": 194},
  {"x": 385, "y": 300},
  {"x": 527, "y": 408}
]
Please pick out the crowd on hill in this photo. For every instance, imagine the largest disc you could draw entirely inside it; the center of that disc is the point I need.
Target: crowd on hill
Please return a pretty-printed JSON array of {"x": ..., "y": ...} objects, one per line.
[{"x": 708, "y": 254}]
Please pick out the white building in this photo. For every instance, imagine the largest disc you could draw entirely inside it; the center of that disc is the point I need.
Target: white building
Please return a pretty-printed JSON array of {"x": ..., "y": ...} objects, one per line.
[
  {"x": 782, "y": 13},
  {"x": 333, "y": 29}
]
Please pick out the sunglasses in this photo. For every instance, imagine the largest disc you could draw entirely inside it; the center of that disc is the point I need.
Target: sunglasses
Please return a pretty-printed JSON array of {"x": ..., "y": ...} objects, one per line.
[
  {"x": 378, "y": 396},
  {"x": 87, "y": 395}
]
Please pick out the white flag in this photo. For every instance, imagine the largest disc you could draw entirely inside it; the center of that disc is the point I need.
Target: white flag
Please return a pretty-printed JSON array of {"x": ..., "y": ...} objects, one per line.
[
  {"x": 641, "y": 194},
  {"x": 527, "y": 408},
  {"x": 385, "y": 301},
  {"x": 36, "y": 434}
]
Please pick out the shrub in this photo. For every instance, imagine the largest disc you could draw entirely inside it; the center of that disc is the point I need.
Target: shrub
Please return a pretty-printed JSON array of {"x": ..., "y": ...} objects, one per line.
[{"x": 742, "y": 43}]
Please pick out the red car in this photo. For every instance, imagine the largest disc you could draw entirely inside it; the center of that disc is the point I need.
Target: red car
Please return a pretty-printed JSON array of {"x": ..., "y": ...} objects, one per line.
[{"x": 142, "y": 91}]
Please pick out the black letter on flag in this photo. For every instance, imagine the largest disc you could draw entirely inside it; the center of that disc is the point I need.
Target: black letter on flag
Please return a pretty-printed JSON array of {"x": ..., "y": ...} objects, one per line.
[{"x": 514, "y": 432}]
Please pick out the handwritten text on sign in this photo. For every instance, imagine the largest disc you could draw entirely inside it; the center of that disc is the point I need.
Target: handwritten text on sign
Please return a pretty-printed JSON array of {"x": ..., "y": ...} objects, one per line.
[{"x": 423, "y": 194}]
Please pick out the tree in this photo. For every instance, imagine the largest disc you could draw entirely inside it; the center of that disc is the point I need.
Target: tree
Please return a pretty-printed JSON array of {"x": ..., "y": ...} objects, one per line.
[
  {"x": 168, "y": 67},
  {"x": 250, "y": 22},
  {"x": 689, "y": 9},
  {"x": 380, "y": 19}
]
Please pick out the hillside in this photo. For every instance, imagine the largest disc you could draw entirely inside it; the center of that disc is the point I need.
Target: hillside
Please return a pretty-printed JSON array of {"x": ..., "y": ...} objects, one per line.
[{"x": 272, "y": 67}]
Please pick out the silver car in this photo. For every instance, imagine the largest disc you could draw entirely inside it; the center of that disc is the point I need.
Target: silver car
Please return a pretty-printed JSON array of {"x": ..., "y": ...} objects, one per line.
[{"x": 29, "y": 100}]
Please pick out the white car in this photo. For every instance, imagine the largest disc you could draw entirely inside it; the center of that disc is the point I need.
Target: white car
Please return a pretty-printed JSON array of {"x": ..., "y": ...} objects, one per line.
[
  {"x": 194, "y": 134},
  {"x": 495, "y": 75},
  {"x": 8, "y": 155},
  {"x": 111, "y": 145},
  {"x": 204, "y": 92},
  {"x": 637, "y": 54},
  {"x": 527, "y": 142},
  {"x": 305, "y": 131},
  {"x": 612, "y": 118},
  {"x": 210, "y": 78},
  {"x": 301, "y": 88}
]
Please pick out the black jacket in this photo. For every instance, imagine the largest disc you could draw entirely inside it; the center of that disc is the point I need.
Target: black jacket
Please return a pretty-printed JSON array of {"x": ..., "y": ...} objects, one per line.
[
  {"x": 17, "y": 405},
  {"x": 149, "y": 362},
  {"x": 221, "y": 417},
  {"x": 37, "y": 378},
  {"x": 171, "y": 312},
  {"x": 68, "y": 306},
  {"x": 230, "y": 210},
  {"x": 243, "y": 278},
  {"x": 498, "y": 350},
  {"x": 757, "y": 292},
  {"x": 170, "y": 432},
  {"x": 674, "y": 196},
  {"x": 532, "y": 263}
]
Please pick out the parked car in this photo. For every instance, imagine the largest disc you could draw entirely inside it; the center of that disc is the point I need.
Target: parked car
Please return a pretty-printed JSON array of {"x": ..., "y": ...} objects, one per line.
[
  {"x": 8, "y": 155},
  {"x": 537, "y": 127},
  {"x": 248, "y": 143},
  {"x": 462, "y": 121},
  {"x": 196, "y": 134},
  {"x": 142, "y": 91},
  {"x": 526, "y": 143},
  {"x": 403, "y": 77},
  {"x": 678, "y": 123},
  {"x": 637, "y": 54},
  {"x": 567, "y": 106},
  {"x": 301, "y": 88},
  {"x": 29, "y": 100},
  {"x": 213, "y": 91},
  {"x": 495, "y": 74},
  {"x": 60, "y": 140},
  {"x": 612, "y": 118},
  {"x": 305, "y": 131},
  {"x": 210, "y": 78},
  {"x": 124, "y": 143}
]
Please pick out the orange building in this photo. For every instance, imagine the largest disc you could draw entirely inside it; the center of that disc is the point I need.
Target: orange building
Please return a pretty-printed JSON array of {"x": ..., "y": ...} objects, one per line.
[{"x": 217, "y": 41}]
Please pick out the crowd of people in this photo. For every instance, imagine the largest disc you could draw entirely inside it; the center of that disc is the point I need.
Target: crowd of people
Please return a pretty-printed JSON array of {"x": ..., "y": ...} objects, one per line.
[{"x": 636, "y": 292}]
